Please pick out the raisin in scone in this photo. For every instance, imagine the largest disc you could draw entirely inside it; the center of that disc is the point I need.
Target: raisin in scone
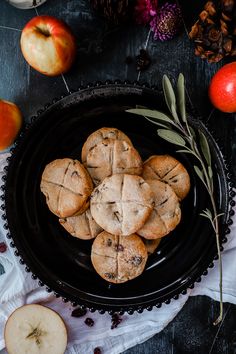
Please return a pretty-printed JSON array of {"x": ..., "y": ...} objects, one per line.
[
  {"x": 169, "y": 170},
  {"x": 67, "y": 187},
  {"x": 99, "y": 135},
  {"x": 122, "y": 203},
  {"x": 118, "y": 259},
  {"x": 111, "y": 157},
  {"x": 82, "y": 226},
  {"x": 166, "y": 214}
]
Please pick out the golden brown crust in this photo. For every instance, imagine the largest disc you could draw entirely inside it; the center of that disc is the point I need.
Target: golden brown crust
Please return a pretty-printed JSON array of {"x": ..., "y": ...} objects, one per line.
[
  {"x": 105, "y": 245},
  {"x": 82, "y": 226},
  {"x": 166, "y": 214},
  {"x": 132, "y": 257},
  {"x": 100, "y": 134},
  {"x": 169, "y": 170},
  {"x": 151, "y": 245},
  {"x": 118, "y": 259},
  {"x": 67, "y": 187},
  {"x": 111, "y": 157},
  {"x": 121, "y": 204}
]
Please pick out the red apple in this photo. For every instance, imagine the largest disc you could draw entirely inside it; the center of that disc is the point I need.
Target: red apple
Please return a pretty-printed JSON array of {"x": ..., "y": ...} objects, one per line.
[
  {"x": 48, "y": 45},
  {"x": 10, "y": 123},
  {"x": 222, "y": 89}
]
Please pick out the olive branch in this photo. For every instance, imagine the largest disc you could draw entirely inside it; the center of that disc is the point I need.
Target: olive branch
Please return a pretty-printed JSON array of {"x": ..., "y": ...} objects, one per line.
[{"x": 175, "y": 129}]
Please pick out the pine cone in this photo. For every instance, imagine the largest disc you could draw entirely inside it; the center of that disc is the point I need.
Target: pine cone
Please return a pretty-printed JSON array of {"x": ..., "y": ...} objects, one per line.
[
  {"x": 116, "y": 11},
  {"x": 214, "y": 34}
]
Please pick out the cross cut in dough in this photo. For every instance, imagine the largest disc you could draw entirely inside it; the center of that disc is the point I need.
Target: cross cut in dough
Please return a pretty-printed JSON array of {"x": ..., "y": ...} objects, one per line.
[{"x": 121, "y": 204}]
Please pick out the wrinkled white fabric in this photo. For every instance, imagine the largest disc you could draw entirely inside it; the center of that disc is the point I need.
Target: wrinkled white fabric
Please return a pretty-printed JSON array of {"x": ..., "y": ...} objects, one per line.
[{"x": 17, "y": 288}]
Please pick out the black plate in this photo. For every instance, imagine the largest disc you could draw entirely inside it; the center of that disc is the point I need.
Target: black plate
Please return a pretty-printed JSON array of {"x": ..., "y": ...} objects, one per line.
[{"x": 62, "y": 262}]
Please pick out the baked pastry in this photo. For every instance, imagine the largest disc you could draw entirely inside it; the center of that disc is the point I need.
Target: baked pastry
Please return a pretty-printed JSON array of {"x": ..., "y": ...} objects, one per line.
[
  {"x": 67, "y": 187},
  {"x": 151, "y": 245},
  {"x": 82, "y": 226},
  {"x": 166, "y": 214},
  {"x": 169, "y": 170},
  {"x": 111, "y": 157},
  {"x": 118, "y": 259},
  {"x": 99, "y": 135},
  {"x": 122, "y": 203}
]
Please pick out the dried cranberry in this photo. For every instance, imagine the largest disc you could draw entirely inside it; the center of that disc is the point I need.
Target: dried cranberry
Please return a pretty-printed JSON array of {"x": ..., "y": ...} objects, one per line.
[
  {"x": 115, "y": 320},
  {"x": 75, "y": 173},
  {"x": 89, "y": 322},
  {"x": 97, "y": 351},
  {"x": 109, "y": 275},
  {"x": 109, "y": 242},
  {"x": 3, "y": 247},
  {"x": 79, "y": 312},
  {"x": 119, "y": 248},
  {"x": 136, "y": 260}
]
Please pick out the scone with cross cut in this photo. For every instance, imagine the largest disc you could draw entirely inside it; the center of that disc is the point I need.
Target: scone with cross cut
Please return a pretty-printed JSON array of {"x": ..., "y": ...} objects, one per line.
[{"x": 122, "y": 203}]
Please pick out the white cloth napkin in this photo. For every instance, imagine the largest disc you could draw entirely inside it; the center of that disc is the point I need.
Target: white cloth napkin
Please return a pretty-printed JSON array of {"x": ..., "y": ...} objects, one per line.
[{"x": 17, "y": 288}]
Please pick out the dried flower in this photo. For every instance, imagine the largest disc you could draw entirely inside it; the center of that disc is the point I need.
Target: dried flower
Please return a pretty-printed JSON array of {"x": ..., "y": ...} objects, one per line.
[
  {"x": 144, "y": 11},
  {"x": 142, "y": 60},
  {"x": 167, "y": 21}
]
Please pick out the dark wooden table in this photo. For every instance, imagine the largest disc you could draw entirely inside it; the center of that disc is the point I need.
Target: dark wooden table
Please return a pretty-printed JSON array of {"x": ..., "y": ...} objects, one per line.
[{"x": 102, "y": 50}]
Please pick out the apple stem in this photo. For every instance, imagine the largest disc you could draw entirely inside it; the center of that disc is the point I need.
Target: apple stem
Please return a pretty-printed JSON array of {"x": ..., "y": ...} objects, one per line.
[{"x": 43, "y": 30}]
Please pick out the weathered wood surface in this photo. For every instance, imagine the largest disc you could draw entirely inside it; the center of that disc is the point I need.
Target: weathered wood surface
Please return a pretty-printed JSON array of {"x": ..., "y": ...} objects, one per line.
[{"x": 102, "y": 51}]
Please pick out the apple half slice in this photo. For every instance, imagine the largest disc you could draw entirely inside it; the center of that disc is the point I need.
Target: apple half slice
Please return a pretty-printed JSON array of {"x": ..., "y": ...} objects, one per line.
[{"x": 35, "y": 329}]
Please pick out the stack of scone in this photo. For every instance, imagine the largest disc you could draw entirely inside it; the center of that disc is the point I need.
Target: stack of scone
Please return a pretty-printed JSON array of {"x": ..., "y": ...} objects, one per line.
[{"x": 130, "y": 199}]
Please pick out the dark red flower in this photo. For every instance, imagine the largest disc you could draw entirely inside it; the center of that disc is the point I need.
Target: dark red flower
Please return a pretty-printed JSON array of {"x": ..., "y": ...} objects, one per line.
[{"x": 144, "y": 11}]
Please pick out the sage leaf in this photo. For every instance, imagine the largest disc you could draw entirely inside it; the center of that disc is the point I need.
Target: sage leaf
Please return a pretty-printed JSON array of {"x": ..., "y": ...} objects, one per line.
[
  {"x": 218, "y": 215},
  {"x": 192, "y": 131},
  {"x": 174, "y": 113},
  {"x": 205, "y": 147},
  {"x": 181, "y": 97},
  {"x": 208, "y": 212},
  {"x": 171, "y": 137},
  {"x": 199, "y": 173},
  {"x": 210, "y": 173},
  {"x": 185, "y": 151},
  {"x": 168, "y": 93},
  {"x": 150, "y": 114},
  {"x": 205, "y": 215},
  {"x": 157, "y": 123}
]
